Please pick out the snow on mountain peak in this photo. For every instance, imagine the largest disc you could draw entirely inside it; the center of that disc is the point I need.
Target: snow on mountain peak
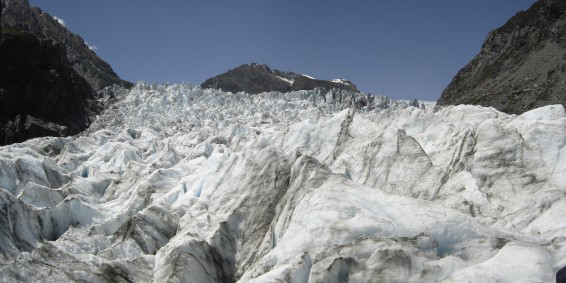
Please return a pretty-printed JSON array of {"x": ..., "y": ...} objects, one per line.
[
  {"x": 341, "y": 81},
  {"x": 175, "y": 182},
  {"x": 286, "y": 80}
]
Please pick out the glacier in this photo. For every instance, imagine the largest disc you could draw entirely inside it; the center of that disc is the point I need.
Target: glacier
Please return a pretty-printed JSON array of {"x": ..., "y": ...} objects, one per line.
[{"x": 174, "y": 183}]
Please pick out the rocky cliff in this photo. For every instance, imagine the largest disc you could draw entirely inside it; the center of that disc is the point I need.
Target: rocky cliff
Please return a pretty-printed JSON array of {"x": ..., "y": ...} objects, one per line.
[
  {"x": 49, "y": 76},
  {"x": 40, "y": 93},
  {"x": 258, "y": 78},
  {"x": 18, "y": 14},
  {"x": 521, "y": 65}
]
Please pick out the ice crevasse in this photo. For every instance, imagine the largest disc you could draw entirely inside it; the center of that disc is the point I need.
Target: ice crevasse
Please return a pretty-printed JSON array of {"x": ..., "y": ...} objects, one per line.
[{"x": 173, "y": 183}]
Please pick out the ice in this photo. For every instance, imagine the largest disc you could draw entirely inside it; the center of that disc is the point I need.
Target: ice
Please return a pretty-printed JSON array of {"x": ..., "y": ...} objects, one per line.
[
  {"x": 179, "y": 183},
  {"x": 551, "y": 222},
  {"x": 515, "y": 262}
]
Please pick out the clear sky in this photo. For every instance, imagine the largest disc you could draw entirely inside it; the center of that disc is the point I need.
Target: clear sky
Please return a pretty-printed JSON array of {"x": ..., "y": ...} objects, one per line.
[{"x": 399, "y": 48}]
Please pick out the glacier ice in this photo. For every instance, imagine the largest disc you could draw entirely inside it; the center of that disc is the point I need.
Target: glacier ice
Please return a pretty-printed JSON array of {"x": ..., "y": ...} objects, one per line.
[{"x": 176, "y": 183}]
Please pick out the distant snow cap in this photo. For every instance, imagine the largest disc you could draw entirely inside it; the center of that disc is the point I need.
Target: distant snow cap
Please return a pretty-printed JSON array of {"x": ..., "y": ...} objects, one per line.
[
  {"x": 308, "y": 76},
  {"x": 341, "y": 81},
  {"x": 61, "y": 21}
]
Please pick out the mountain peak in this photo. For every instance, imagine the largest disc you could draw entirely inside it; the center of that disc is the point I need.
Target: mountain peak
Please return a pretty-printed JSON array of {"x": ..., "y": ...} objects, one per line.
[
  {"x": 99, "y": 74},
  {"x": 257, "y": 78}
]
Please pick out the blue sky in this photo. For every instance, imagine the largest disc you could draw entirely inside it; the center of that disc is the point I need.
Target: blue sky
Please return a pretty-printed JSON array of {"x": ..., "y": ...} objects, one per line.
[{"x": 402, "y": 49}]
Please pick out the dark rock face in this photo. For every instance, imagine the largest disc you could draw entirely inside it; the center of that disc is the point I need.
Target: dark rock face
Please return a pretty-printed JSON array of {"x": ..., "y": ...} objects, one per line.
[
  {"x": 40, "y": 93},
  {"x": 18, "y": 14},
  {"x": 49, "y": 76},
  {"x": 258, "y": 78},
  {"x": 521, "y": 66},
  {"x": 561, "y": 275},
  {"x": 252, "y": 78}
]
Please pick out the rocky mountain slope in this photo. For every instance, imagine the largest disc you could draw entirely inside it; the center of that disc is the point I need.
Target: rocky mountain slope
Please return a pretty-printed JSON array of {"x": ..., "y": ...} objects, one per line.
[
  {"x": 40, "y": 93},
  {"x": 49, "y": 76},
  {"x": 18, "y": 14},
  {"x": 258, "y": 78},
  {"x": 521, "y": 65},
  {"x": 174, "y": 183}
]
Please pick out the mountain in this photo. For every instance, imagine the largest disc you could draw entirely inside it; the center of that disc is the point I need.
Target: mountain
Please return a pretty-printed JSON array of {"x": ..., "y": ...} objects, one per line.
[
  {"x": 175, "y": 183},
  {"x": 18, "y": 14},
  {"x": 521, "y": 65},
  {"x": 40, "y": 93},
  {"x": 308, "y": 83},
  {"x": 49, "y": 76},
  {"x": 258, "y": 78}
]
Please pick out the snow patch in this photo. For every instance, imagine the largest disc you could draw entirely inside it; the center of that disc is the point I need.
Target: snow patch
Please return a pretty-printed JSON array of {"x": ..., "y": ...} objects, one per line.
[
  {"x": 290, "y": 82},
  {"x": 60, "y": 21},
  {"x": 341, "y": 81}
]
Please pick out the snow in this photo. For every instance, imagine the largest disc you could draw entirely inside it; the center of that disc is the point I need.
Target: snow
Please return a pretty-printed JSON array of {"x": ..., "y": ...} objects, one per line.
[
  {"x": 290, "y": 82},
  {"x": 312, "y": 78},
  {"x": 177, "y": 183},
  {"x": 60, "y": 21},
  {"x": 341, "y": 81}
]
